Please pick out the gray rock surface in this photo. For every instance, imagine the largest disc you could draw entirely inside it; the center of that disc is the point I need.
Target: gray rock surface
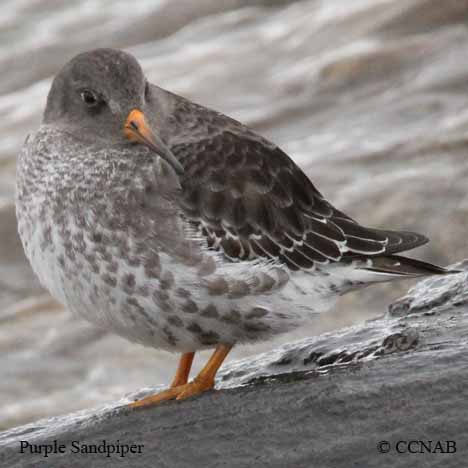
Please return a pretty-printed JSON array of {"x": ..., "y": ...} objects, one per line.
[{"x": 322, "y": 402}]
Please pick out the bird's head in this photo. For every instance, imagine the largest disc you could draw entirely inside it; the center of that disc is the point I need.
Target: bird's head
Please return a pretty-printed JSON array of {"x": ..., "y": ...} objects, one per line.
[{"x": 104, "y": 95}]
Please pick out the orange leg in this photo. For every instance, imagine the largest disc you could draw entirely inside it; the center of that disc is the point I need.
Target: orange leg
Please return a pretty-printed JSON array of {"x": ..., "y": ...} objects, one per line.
[
  {"x": 203, "y": 381},
  {"x": 183, "y": 371}
]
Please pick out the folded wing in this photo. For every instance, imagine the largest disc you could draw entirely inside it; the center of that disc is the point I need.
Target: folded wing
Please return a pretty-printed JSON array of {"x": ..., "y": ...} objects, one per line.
[{"x": 249, "y": 199}]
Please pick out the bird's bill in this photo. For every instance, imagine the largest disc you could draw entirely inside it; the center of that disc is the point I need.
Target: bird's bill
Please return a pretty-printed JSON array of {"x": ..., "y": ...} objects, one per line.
[{"x": 136, "y": 129}]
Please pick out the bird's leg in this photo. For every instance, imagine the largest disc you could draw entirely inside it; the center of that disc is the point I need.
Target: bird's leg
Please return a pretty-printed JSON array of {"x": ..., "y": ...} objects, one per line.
[
  {"x": 206, "y": 378},
  {"x": 201, "y": 383},
  {"x": 183, "y": 371}
]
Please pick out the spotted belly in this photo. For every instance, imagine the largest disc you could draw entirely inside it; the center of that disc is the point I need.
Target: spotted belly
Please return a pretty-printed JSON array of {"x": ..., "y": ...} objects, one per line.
[{"x": 150, "y": 298}]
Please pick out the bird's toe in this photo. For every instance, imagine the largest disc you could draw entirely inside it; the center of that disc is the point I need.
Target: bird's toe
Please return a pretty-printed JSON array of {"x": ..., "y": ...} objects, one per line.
[{"x": 180, "y": 392}]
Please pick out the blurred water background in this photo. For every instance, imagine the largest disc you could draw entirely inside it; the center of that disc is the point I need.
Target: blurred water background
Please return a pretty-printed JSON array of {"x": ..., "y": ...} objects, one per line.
[{"x": 370, "y": 97}]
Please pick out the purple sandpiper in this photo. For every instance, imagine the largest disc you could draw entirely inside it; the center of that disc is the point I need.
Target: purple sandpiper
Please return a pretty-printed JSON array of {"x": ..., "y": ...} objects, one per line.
[{"x": 180, "y": 228}]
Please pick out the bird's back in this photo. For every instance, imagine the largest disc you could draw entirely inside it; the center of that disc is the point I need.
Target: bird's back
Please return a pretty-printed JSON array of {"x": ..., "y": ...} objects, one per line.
[{"x": 249, "y": 199}]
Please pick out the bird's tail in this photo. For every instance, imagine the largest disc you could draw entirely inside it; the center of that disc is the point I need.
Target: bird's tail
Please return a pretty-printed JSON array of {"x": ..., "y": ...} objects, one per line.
[
  {"x": 361, "y": 272},
  {"x": 393, "y": 266}
]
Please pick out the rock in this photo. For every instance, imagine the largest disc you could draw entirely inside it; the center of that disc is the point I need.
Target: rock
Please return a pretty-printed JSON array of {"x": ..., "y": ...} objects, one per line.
[{"x": 348, "y": 398}]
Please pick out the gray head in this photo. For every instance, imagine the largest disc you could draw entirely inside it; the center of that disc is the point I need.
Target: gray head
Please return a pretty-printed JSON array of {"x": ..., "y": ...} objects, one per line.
[{"x": 103, "y": 95}]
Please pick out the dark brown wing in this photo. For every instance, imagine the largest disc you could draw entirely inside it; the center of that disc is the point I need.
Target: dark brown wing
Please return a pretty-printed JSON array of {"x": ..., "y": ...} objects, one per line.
[{"x": 250, "y": 199}]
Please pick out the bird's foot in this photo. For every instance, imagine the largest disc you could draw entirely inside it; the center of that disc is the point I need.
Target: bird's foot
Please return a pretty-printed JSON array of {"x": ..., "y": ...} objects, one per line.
[{"x": 180, "y": 392}]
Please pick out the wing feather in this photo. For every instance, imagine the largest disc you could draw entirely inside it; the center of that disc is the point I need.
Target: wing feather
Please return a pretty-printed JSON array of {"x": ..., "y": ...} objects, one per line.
[{"x": 249, "y": 199}]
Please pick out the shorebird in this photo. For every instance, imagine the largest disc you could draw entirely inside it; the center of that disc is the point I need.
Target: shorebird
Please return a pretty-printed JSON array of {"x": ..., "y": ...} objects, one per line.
[{"x": 180, "y": 228}]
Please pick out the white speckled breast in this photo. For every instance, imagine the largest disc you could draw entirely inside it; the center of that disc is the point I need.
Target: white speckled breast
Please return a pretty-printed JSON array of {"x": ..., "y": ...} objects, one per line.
[{"x": 104, "y": 233}]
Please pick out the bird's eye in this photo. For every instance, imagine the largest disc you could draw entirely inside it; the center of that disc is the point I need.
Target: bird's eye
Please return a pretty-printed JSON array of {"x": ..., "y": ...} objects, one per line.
[{"x": 89, "y": 98}]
